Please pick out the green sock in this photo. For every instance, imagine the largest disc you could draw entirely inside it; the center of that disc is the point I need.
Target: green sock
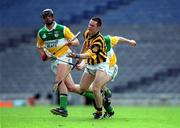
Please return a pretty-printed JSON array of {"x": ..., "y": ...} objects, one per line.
[
  {"x": 110, "y": 109},
  {"x": 107, "y": 106},
  {"x": 63, "y": 101},
  {"x": 89, "y": 94}
]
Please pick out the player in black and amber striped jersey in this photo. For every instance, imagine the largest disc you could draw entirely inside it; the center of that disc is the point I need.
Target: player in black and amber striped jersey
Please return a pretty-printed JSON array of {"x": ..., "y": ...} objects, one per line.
[
  {"x": 94, "y": 50},
  {"x": 96, "y": 47}
]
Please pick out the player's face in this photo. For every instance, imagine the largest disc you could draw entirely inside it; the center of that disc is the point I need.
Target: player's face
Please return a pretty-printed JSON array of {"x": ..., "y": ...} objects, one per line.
[
  {"x": 48, "y": 20},
  {"x": 92, "y": 27}
]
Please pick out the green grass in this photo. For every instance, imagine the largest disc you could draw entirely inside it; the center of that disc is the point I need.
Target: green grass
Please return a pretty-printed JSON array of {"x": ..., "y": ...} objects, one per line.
[{"x": 81, "y": 117}]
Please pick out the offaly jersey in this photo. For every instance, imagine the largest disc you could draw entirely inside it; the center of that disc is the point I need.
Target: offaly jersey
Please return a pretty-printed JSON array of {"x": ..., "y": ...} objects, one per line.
[
  {"x": 54, "y": 40},
  {"x": 111, "y": 41},
  {"x": 96, "y": 47}
]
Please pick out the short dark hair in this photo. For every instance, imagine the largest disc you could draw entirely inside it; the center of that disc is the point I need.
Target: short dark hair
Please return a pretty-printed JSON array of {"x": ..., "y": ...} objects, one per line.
[{"x": 98, "y": 20}]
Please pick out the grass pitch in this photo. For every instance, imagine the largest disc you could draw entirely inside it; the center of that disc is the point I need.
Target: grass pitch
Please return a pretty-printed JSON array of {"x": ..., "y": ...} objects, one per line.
[{"x": 81, "y": 117}]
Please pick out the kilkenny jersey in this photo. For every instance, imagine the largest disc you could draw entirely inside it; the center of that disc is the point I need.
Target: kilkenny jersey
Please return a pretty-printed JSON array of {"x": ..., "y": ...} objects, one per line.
[
  {"x": 96, "y": 47},
  {"x": 111, "y": 41},
  {"x": 54, "y": 40}
]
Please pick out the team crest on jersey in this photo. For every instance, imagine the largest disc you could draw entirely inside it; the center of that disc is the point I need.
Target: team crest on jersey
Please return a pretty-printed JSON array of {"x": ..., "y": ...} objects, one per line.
[
  {"x": 95, "y": 49},
  {"x": 56, "y": 34},
  {"x": 44, "y": 36}
]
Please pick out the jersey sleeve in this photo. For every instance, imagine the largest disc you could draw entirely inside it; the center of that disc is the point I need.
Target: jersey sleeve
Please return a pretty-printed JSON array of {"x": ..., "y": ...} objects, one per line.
[
  {"x": 40, "y": 42},
  {"x": 68, "y": 34},
  {"x": 114, "y": 40}
]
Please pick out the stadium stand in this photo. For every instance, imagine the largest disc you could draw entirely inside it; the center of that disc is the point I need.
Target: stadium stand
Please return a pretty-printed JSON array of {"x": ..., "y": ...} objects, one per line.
[{"x": 151, "y": 67}]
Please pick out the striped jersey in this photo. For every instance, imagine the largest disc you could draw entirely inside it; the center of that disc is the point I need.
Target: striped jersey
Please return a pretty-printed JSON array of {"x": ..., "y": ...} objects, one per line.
[
  {"x": 54, "y": 40},
  {"x": 111, "y": 41},
  {"x": 96, "y": 47}
]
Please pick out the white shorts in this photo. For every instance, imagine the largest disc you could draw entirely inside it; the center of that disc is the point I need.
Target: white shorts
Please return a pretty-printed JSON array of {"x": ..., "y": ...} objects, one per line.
[
  {"x": 113, "y": 72},
  {"x": 91, "y": 69},
  {"x": 54, "y": 63}
]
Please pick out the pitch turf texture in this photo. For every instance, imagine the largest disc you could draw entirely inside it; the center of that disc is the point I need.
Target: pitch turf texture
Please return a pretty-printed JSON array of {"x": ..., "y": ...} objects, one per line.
[{"x": 81, "y": 117}]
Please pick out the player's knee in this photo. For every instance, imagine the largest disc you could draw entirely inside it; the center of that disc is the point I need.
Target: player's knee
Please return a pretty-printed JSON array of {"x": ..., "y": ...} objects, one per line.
[
  {"x": 83, "y": 89},
  {"x": 59, "y": 78},
  {"x": 96, "y": 89},
  {"x": 71, "y": 89}
]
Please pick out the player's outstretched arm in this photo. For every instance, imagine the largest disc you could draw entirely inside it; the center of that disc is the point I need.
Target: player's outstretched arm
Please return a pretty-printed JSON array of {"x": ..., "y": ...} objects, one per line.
[{"x": 125, "y": 40}]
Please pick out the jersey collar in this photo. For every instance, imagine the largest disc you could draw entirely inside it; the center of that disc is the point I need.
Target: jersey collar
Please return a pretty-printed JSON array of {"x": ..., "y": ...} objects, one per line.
[
  {"x": 93, "y": 36},
  {"x": 55, "y": 24}
]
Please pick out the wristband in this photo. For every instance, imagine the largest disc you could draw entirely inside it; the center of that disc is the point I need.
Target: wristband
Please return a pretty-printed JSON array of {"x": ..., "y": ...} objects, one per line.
[{"x": 77, "y": 56}]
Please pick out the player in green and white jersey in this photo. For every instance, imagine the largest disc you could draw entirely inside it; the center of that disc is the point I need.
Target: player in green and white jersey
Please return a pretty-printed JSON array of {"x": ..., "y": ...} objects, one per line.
[
  {"x": 111, "y": 42},
  {"x": 56, "y": 39}
]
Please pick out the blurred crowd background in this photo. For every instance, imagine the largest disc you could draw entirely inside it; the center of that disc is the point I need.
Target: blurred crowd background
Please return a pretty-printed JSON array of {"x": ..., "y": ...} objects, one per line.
[{"x": 148, "y": 73}]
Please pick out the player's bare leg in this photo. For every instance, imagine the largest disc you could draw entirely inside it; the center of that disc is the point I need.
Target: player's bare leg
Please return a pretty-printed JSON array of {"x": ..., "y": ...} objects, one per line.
[
  {"x": 62, "y": 69},
  {"x": 76, "y": 88},
  {"x": 72, "y": 87},
  {"x": 86, "y": 81},
  {"x": 96, "y": 87}
]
